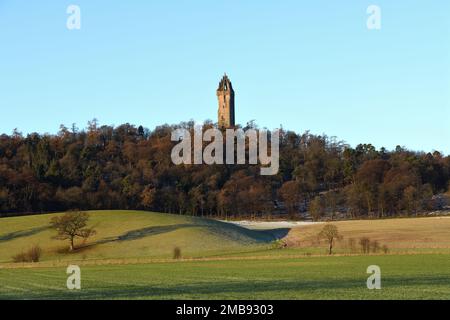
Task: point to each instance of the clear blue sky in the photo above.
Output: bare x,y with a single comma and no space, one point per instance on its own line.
303,64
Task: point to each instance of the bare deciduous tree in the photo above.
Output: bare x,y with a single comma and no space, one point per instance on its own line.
71,225
330,233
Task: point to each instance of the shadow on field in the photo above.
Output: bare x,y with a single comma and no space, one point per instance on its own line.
293,288
278,233
144,232
22,233
235,232
224,230
151,231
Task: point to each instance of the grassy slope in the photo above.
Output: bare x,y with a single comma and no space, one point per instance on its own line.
403,277
137,234
254,272
130,234
406,235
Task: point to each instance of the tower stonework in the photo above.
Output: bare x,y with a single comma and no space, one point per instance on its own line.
225,95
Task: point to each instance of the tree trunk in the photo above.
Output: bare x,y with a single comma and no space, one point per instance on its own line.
72,247
331,248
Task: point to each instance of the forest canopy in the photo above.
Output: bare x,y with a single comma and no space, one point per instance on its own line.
129,167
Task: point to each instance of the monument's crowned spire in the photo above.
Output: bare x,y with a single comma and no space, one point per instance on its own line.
225,84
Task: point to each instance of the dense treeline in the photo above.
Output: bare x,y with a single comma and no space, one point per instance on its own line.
126,167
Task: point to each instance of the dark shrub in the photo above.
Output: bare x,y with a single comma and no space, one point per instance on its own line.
375,246
20,257
177,253
352,245
32,255
365,245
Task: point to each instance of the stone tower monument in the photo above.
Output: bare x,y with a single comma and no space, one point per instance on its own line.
225,95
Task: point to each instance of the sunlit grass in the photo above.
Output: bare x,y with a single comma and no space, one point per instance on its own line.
403,277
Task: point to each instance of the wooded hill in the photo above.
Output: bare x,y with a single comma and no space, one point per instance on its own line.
128,167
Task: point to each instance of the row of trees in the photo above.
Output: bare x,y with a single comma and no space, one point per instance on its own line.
128,167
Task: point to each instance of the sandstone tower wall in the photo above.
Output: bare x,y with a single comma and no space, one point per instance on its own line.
225,96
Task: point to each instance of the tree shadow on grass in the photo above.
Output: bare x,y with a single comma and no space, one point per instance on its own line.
144,232
228,231
222,230
151,231
22,233
250,288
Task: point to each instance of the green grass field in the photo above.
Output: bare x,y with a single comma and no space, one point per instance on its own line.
131,258
132,234
403,277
